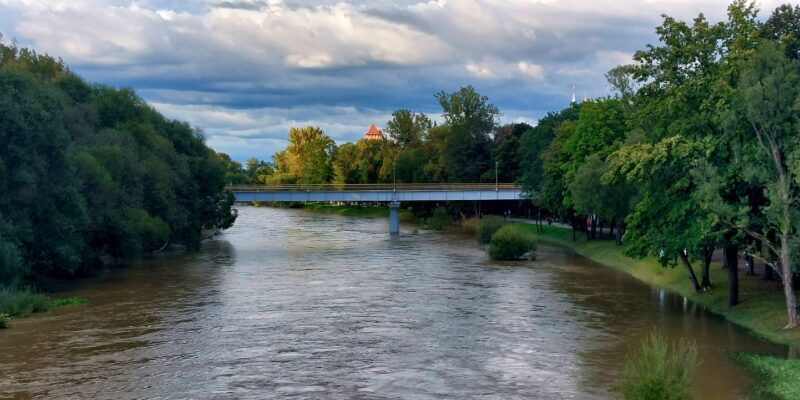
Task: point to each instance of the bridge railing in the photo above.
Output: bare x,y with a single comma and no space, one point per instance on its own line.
380,187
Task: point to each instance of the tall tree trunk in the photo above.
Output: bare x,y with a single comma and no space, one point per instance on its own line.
732,261
769,273
573,229
708,252
613,225
724,259
788,282
689,270
541,223
751,265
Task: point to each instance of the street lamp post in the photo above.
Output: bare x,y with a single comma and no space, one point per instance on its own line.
495,176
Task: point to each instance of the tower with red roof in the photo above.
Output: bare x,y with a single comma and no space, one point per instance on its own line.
373,133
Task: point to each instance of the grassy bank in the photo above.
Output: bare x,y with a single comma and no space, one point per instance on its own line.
21,303
762,309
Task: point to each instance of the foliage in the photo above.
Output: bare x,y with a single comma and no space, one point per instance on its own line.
88,171
510,243
68,301
782,376
308,156
4,321
440,219
784,26
408,128
22,302
658,370
487,227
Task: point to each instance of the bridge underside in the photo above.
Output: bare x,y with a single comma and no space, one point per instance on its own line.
384,196
376,193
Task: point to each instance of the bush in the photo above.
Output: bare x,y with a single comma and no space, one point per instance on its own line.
509,243
487,227
22,302
3,321
659,371
440,219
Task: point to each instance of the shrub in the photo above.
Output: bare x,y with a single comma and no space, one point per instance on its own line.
22,302
440,219
509,243
487,227
3,321
659,371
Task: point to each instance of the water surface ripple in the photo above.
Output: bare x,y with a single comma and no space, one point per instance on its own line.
290,304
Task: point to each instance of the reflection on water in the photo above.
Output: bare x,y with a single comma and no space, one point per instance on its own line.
298,305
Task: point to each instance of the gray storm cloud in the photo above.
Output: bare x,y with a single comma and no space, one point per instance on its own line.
247,70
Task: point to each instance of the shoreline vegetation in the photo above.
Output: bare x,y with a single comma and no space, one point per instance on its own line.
18,303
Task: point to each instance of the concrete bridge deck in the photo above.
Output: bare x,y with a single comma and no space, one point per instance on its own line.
377,192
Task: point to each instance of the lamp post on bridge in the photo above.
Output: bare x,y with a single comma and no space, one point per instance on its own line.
496,163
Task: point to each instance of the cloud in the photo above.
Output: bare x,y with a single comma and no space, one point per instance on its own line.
246,70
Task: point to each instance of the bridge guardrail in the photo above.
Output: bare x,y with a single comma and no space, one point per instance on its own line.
380,187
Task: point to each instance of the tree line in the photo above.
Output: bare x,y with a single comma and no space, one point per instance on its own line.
696,150
91,174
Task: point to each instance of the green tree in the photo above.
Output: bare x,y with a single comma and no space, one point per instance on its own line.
466,147
768,105
309,156
533,145
408,128
506,151
784,26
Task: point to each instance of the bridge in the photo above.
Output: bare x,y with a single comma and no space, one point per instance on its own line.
393,194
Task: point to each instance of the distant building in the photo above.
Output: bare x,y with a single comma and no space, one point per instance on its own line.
373,133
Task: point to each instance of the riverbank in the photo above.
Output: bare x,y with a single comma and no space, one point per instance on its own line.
762,310
356,211
22,303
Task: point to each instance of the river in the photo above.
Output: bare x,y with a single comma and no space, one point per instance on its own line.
292,304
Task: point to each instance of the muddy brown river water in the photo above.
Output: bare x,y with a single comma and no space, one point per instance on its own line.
291,304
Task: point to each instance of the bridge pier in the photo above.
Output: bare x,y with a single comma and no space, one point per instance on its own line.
394,218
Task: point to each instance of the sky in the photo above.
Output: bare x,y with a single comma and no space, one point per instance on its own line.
247,70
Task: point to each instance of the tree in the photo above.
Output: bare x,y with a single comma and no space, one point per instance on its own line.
768,95
667,220
309,156
506,151
784,26
408,128
466,147
533,145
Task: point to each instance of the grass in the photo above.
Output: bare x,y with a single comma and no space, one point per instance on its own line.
782,377
659,370
68,301
761,310
21,303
